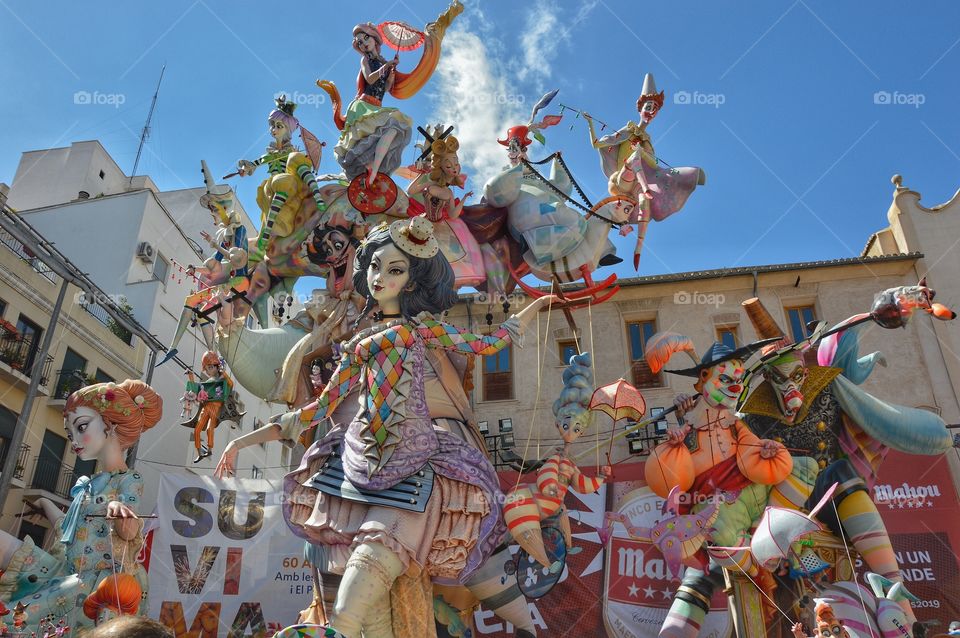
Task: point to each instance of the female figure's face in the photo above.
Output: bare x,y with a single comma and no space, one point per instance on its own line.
388,273
365,43
450,167
279,131
86,431
211,370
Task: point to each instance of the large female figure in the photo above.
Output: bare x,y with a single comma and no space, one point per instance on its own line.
401,486
100,536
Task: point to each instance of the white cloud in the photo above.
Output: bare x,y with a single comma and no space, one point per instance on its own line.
545,30
473,93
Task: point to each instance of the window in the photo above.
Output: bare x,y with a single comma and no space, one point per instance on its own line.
799,317
161,268
103,377
72,374
567,348
3,308
30,334
102,174
728,336
638,332
35,532
498,375
46,473
83,468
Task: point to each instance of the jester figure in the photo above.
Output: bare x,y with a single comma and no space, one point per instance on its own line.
837,430
628,160
290,190
526,507
713,452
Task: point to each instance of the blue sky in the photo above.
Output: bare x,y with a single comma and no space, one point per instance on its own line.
783,111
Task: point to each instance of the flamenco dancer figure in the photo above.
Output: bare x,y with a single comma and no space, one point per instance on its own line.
92,567
400,493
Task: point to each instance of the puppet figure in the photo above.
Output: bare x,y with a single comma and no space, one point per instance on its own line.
837,429
291,180
100,535
189,398
828,625
212,393
400,488
628,160
714,452
526,507
431,194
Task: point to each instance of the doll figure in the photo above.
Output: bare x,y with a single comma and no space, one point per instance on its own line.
100,535
400,485
526,507
291,180
212,392
431,194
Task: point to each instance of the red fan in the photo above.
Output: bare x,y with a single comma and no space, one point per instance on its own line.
400,35
372,199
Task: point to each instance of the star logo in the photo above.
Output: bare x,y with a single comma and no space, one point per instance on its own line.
649,592
667,593
633,589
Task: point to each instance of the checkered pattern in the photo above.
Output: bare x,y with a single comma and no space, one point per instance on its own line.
379,361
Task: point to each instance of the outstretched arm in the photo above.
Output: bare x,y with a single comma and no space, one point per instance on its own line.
228,462
443,335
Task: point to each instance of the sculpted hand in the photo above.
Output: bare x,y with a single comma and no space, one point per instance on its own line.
606,471
676,435
228,462
685,403
625,230
798,631
769,449
116,509
245,167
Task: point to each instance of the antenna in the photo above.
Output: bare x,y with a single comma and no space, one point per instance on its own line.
146,127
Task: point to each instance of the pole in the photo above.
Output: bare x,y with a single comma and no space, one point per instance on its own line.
146,127
132,454
20,431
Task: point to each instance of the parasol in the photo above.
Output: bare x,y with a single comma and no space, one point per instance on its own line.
400,35
619,400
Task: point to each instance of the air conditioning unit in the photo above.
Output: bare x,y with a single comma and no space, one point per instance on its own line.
145,252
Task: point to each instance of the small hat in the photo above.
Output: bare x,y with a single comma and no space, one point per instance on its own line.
718,353
370,29
415,236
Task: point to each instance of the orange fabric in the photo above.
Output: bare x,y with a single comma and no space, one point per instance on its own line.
756,468
208,419
669,465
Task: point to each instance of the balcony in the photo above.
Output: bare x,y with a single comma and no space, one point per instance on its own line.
20,469
68,381
17,356
51,478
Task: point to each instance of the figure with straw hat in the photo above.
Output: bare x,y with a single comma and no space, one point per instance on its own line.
713,453
837,430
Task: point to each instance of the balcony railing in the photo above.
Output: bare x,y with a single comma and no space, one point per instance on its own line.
52,475
24,253
20,353
21,466
104,317
68,381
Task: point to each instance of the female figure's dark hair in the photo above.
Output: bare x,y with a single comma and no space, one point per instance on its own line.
431,278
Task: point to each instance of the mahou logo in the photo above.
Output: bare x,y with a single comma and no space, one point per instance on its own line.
905,496
639,585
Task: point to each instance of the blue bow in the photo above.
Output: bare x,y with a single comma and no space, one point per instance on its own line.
84,486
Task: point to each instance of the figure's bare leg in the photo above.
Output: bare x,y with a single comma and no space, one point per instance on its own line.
383,145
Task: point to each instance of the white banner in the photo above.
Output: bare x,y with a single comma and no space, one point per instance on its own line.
223,563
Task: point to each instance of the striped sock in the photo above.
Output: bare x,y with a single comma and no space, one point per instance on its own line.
689,607
308,178
279,199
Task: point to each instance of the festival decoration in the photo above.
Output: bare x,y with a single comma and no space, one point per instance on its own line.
100,536
373,471
713,452
644,190
217,402
526,507
679,537
836,430
431,195
120,594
